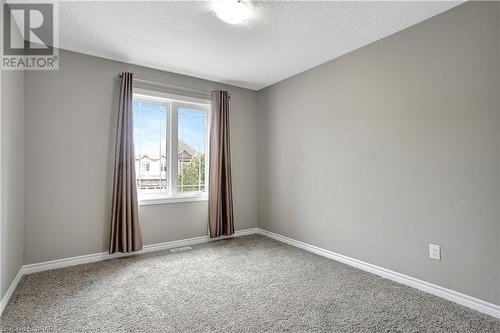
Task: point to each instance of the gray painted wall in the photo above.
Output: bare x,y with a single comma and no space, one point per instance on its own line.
498,99
12,211
12,175
70,128
380,152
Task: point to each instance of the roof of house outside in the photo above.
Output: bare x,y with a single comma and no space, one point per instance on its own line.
181,147
186,147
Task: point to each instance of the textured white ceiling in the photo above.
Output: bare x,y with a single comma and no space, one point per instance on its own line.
281,38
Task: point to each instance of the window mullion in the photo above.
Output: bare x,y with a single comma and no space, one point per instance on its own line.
173,148
208,119
168,149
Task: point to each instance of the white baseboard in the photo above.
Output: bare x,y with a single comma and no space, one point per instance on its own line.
451,295
85,259
10,291
89,258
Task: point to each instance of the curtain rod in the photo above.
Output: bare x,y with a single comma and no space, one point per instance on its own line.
171,86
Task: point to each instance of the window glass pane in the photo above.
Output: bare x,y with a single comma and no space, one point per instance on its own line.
191,149
150,144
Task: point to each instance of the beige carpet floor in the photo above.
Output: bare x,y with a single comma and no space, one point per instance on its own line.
246,284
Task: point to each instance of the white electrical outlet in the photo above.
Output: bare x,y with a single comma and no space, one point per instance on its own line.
435,251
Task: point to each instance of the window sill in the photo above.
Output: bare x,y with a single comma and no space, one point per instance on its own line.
159,200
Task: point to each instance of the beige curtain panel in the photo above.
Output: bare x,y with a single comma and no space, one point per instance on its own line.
125,231
220,197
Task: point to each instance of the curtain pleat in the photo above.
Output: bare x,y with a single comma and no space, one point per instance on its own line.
220,198
125,229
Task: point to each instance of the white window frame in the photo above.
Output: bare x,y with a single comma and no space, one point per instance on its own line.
174,102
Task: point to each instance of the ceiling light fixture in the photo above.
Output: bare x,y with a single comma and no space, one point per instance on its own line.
232,11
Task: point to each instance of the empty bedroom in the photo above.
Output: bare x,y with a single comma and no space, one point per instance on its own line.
249,166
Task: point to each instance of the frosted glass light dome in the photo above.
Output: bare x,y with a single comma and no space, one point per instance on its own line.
232,11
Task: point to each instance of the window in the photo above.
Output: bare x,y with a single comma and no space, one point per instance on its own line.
170,139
